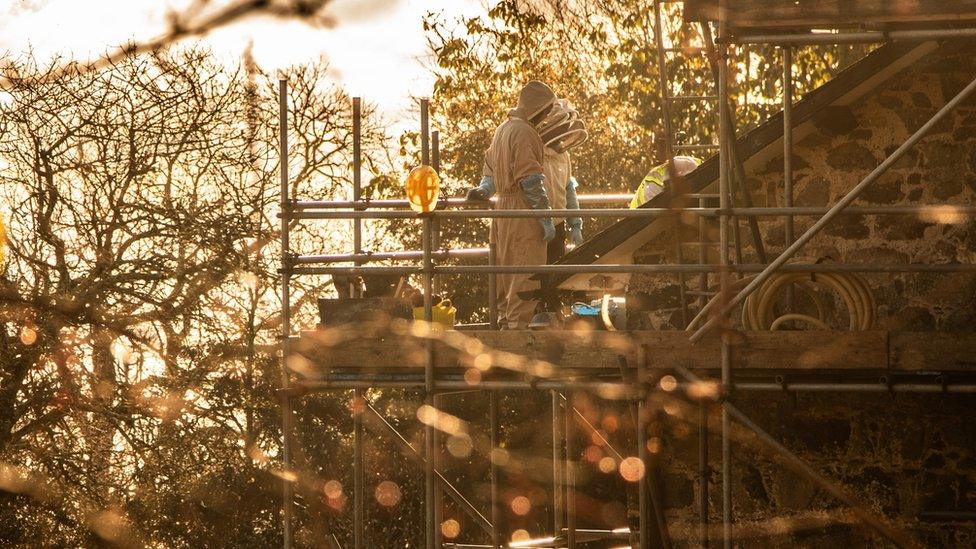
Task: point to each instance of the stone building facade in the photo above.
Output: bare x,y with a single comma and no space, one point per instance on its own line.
904,456
847,144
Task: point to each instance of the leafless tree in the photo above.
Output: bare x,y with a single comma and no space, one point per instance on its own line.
139,301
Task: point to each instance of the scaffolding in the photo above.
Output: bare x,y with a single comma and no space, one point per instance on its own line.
633,382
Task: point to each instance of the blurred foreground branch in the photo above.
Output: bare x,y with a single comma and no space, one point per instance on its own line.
197,20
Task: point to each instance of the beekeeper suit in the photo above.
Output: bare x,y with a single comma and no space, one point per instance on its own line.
653,183
562,130
513,170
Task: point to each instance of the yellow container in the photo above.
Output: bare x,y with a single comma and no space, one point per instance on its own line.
443,313
423,186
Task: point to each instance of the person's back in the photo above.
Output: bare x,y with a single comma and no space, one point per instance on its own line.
558,169
515,153
513,170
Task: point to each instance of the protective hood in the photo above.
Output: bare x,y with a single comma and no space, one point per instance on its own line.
562,127
534,98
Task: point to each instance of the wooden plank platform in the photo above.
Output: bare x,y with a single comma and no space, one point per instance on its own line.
316,353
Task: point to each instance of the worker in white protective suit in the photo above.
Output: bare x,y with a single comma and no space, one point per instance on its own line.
513,169
561,131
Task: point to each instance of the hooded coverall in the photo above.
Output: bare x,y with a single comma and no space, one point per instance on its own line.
557,168
516,153
513,170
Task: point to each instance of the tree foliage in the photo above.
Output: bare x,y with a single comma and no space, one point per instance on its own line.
140,303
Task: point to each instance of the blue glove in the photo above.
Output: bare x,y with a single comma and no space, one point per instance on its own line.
576,234
535,195
575,224
484,191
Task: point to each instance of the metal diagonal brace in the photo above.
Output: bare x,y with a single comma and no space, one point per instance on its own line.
834,211
453,492
798,464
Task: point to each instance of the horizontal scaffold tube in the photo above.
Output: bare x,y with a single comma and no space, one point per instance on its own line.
389,256
484,214
634,269
622,390
442,203
617,390
944,213
859,387
852,37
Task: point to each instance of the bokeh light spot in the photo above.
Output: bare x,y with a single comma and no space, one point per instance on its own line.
460,445
28,335
654,445
483,362
632,469
451,528
332,489
521,505
593,453
472,376
668,383
388,493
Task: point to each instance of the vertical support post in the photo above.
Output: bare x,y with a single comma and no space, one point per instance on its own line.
496,536
788,154
435,162
429,448
788,138
703,410
492,280
438,493
287,419
357,164
570,474
435,149
644,496
359,517
702,257
704,473
359,395
557,462
724,157
425,131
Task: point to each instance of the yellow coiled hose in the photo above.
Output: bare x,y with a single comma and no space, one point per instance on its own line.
757,311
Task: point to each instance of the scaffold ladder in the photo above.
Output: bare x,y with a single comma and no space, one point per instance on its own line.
672,146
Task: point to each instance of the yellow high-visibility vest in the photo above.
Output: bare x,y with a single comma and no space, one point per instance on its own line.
653,183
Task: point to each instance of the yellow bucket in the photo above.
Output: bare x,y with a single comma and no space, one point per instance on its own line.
443,313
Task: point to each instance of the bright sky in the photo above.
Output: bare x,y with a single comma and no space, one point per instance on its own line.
376,50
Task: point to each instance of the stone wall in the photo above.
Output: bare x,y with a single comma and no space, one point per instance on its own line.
900,455
846,146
